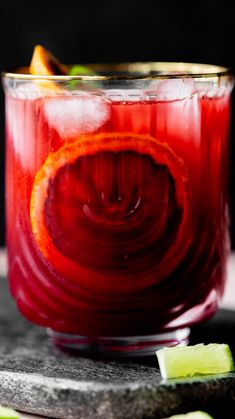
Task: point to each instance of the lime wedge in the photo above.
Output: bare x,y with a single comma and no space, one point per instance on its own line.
8,413
188,361
192,415
80,70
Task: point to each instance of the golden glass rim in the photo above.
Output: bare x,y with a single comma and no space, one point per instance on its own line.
163,70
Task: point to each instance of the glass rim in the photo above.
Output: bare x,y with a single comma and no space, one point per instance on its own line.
162,69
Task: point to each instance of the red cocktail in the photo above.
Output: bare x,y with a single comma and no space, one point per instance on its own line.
117,206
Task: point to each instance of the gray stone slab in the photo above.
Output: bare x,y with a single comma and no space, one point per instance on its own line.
37,378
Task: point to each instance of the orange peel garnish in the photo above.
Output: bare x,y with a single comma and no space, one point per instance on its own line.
45,64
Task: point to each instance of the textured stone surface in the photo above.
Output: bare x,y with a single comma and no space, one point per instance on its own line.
36,378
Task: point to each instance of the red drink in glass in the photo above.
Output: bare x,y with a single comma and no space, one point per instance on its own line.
117,206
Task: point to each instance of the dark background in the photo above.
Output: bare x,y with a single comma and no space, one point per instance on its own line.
112,30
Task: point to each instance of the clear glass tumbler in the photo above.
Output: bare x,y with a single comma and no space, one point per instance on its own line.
117,202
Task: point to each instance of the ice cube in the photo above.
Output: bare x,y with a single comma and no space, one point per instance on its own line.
24,130
173,89
178,115
27,90
71,116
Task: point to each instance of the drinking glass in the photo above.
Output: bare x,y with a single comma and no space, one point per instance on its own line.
117,202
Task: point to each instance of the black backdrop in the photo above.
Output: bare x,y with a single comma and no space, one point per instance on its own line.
112,30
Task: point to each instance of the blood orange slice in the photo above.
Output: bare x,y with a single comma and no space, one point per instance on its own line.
112,206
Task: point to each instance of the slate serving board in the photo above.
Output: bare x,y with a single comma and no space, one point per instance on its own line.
36,378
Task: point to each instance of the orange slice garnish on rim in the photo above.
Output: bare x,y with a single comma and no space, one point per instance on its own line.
112,206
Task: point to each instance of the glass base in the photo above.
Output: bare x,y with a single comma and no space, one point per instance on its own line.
119,346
